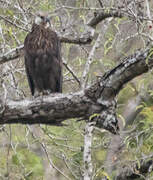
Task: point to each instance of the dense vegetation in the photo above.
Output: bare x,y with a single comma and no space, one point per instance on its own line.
36,152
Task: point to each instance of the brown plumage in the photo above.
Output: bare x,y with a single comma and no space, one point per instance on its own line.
43,61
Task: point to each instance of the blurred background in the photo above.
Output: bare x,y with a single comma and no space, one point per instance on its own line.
41,152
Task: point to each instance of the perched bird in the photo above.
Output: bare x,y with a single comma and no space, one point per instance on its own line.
43,62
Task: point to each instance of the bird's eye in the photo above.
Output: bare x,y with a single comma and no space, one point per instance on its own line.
41,17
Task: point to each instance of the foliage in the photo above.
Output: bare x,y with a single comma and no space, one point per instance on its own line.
29,152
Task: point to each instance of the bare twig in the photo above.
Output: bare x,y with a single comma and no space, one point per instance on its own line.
71,71
44,147
101,4
12,23
89,61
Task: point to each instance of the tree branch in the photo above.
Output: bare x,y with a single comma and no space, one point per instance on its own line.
12,54
98,17
88,166
99,98
135,171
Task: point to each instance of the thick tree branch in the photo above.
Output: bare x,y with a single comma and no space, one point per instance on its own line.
104,15
130,67
99,98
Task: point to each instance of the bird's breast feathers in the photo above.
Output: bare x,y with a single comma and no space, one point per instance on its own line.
41,41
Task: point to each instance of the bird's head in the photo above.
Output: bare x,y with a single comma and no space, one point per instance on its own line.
42,19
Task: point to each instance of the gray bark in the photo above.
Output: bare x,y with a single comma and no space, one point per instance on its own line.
98,98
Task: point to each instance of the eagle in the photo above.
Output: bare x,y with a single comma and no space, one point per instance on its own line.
42,54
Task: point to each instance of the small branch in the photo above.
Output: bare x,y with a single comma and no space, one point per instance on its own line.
101,4
91,54
52,165
82,40
89,61
148,9
149,23
12,54
71,71
88,168
14,24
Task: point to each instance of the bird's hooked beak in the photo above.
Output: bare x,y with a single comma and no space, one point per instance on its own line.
47,21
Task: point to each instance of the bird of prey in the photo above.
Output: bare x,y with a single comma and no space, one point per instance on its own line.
42,52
